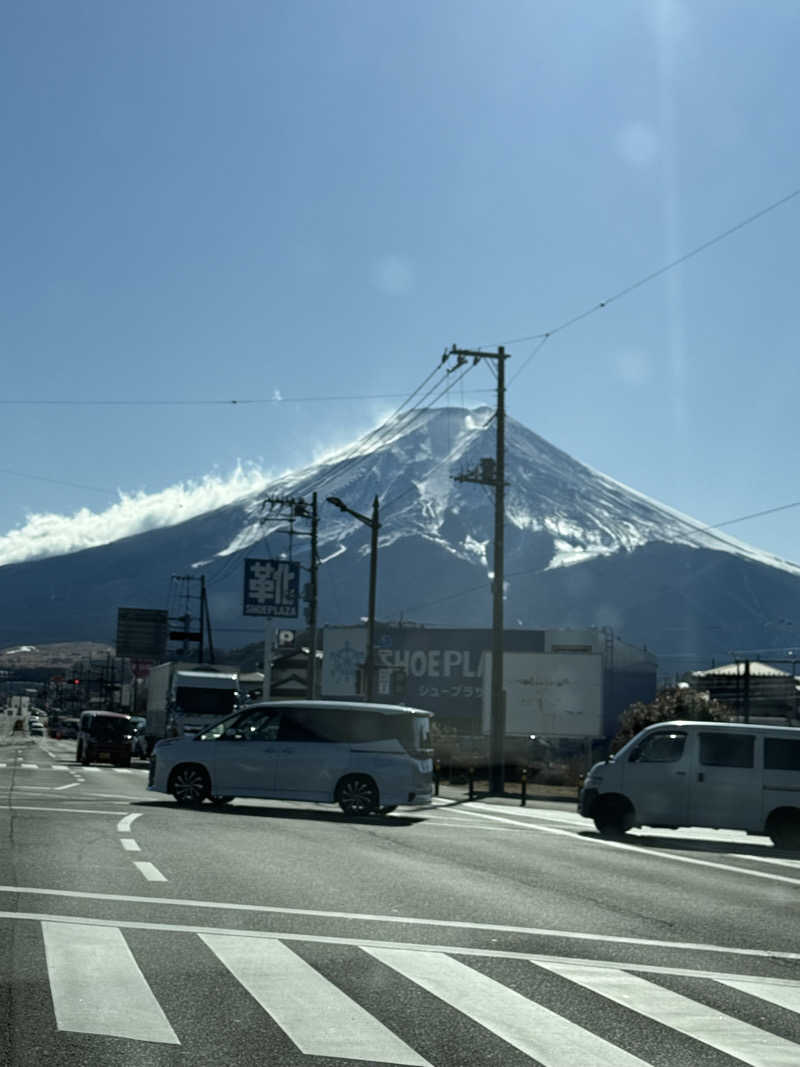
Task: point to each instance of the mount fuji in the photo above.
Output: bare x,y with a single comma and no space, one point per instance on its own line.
580,550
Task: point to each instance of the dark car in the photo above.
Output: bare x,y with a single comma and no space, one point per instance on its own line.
104,737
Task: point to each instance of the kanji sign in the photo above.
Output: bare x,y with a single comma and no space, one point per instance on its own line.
271,587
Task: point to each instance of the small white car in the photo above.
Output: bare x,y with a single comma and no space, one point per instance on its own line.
365,757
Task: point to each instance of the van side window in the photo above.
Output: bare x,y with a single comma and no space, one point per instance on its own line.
726,750
660,748
304,725
781,755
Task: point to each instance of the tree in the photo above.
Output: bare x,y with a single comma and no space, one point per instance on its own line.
671,703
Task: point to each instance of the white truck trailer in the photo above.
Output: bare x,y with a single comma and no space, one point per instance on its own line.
184,699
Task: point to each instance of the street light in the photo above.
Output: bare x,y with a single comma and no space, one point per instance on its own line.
374,526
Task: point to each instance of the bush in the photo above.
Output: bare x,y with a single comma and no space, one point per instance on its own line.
671,703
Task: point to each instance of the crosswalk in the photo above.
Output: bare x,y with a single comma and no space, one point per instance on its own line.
105,981
22,765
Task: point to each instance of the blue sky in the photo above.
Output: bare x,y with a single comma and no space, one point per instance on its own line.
205,200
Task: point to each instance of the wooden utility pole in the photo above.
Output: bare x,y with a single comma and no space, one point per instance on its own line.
493,474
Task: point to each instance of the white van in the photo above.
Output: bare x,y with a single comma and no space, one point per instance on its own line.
723,775
365,757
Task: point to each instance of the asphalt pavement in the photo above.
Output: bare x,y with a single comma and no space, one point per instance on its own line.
134,932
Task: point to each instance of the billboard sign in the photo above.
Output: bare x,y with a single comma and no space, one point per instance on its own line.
440,670
142,634
344,655
550,694
271,588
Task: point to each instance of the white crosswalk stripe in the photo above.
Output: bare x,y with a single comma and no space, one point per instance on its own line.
722,1032
319,1018
533,1029
98,988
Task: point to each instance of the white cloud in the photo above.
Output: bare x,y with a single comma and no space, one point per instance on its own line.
53,535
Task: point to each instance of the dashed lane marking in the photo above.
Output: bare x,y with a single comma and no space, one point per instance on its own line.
150,872
124,825
129,844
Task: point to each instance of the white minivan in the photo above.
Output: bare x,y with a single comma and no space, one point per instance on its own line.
723,775
365,757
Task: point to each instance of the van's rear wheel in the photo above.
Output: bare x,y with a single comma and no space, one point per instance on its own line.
189,784
784,829
613,816
357,795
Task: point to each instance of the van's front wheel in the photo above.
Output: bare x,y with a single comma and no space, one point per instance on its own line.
357,795
613,816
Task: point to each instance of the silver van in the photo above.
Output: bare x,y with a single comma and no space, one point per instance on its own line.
729,776
365,757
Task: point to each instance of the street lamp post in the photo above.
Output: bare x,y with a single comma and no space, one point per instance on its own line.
374,525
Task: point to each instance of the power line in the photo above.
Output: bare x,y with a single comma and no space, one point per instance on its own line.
545,334
206,403
754,515
56,481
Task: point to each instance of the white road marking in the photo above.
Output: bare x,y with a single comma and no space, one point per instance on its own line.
97,987
92,769
784,996
69,785
266,909
124,825
151,873
59,767
639,850
129,844
722,1032
29,766
411,946
318,1017
3,766
123,770
538,1032
766,859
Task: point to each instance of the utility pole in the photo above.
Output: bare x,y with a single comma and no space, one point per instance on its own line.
493,474
374,524
290,509
187,634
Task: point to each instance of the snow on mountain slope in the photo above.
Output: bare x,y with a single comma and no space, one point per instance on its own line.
410,463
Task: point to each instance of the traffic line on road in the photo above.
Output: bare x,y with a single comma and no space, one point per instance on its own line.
69,785
267,909
97,986
124,825
540,1033
637,849
129,844
151,872
315,1014
698,1021
29,766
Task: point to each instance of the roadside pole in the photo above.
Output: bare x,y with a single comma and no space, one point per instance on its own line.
269,639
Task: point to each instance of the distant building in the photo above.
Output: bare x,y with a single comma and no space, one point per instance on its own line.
754,691
442,669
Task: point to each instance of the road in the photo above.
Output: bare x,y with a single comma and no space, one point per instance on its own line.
134,932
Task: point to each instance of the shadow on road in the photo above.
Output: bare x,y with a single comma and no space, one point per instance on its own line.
243,810
705,845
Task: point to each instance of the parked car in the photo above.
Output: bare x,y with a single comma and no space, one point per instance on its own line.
35,728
